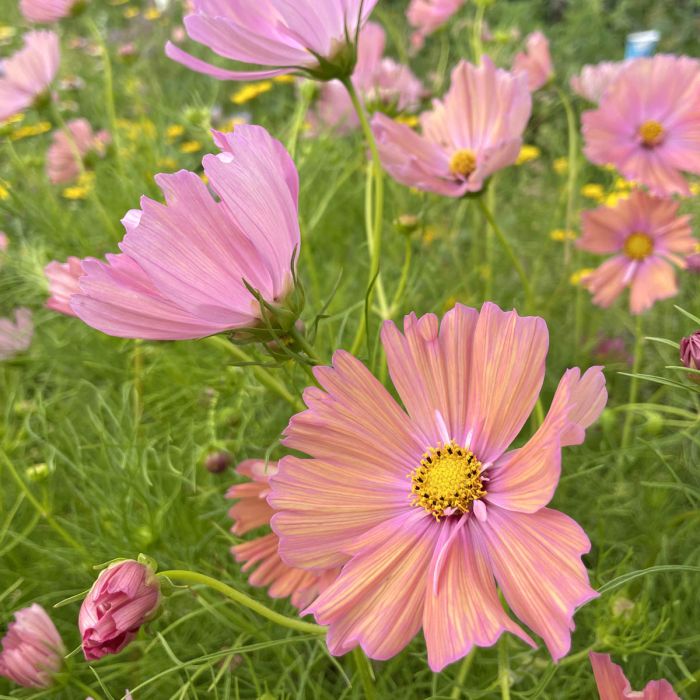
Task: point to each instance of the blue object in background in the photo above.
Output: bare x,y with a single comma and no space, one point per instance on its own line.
642,44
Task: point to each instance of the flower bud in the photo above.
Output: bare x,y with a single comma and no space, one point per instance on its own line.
693,263
690,351
125,596
32,650
217,462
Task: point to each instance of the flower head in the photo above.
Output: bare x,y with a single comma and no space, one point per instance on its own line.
423,507
535,62
305,36
613,685
32,650
473,132
648,123
63,283
592,82
16,337
62,164
125,596
185,264
427,16
690,351
48,10
646,237
26,75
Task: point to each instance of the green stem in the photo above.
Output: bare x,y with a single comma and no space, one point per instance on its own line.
572,171
305,345
527,287
194,578
478,28
364,670
86,689
403,280
298,121
634,385
462,675
504,668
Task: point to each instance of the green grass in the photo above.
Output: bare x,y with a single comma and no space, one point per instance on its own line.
123,427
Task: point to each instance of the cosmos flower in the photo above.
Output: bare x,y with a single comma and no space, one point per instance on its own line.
473,132
427,16
26,75
646,237
647,124
63,283
62,164
32,650
16,337
308,37
423,507
48,10
383,84
612,684
535,62
592,82
184,264
250,512
690,351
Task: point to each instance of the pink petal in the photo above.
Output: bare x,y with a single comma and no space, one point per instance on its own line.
654,280
608,281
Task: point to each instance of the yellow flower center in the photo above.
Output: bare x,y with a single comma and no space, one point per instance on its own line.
639,246
463,162
449,476
651,133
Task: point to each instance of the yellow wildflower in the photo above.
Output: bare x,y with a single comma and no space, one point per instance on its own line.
152,13
190,147
174,131
167,163
408,119
250,92
579,276
527,153
613,198
286,78
6,32
131,12
24,132
561,166
4,192
561,234
82,188
593,191
695,188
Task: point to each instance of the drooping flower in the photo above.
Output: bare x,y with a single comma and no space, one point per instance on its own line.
32,650
307,37
63,283
646,237
593,80
125,596
535,62
648,123
185,264
16,337
62,164
613,685
27,74
383,84
424,507
427,16
690,351
473,132
251,512
48,10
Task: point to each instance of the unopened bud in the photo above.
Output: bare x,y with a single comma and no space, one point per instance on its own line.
217,462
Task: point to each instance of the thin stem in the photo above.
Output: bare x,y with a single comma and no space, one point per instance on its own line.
403,280
86,689
364,670
464,668
527,287
194,578
504,668
571,186
634,385
478,28
298,121
305,345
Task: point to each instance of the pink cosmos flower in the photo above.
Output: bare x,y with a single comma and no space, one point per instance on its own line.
125,596
612,684
4,242
690,351
424,507
32,650
251,512
648,123
61,163
427,16
473,132
63,283
28,73
16,337
382,82
535,62
184,263
592,82
304,36
646,237
47,10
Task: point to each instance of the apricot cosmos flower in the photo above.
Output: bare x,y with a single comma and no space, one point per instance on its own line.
422,508
613,685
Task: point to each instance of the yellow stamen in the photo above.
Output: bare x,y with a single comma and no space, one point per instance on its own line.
449,476
651,133
463,162
639,246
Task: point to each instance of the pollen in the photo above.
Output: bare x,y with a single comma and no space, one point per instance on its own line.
639,246
651,133
448,480
463,163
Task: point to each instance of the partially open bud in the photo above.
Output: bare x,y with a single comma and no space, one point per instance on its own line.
125,596
32,650
690,352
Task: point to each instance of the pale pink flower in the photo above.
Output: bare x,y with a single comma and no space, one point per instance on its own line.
305,36
4,242
62,165
473,132
613,685
184,264
32,650
592,82
47,10
125,596
27,74
648,123
535,62
424,507
16,337
646,237
251,512
427,16
63,283
383,84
